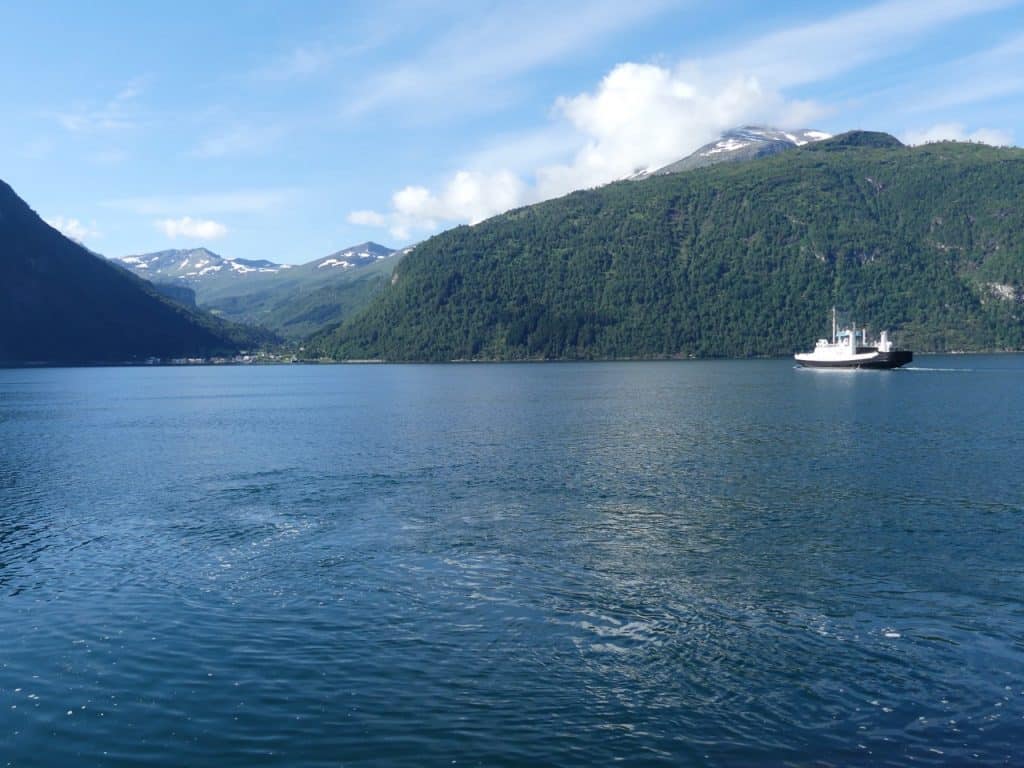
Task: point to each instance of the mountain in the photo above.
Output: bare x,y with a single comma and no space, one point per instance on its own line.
177,292
733,259
356,256
291,300
310,296
61,303
747,143
197,267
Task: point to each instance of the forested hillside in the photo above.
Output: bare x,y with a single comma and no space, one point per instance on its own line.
305,299
60,303
733,260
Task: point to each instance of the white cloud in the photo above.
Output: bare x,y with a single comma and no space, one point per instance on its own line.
117,114
360,33
639,116
531,149
957,132
982,76
467,66
467,196
187,227
85,120
822,49
74,229
644,115
367,218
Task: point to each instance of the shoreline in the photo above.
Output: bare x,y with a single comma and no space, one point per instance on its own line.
209,363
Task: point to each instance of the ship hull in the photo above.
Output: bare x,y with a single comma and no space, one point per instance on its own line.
881,361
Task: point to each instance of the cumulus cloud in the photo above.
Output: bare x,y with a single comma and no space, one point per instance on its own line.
74,229
646,115
187,227
466,197
958,132
639,116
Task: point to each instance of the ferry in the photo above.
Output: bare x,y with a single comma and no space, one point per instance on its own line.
850,348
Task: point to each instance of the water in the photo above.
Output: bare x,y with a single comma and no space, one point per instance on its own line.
676,563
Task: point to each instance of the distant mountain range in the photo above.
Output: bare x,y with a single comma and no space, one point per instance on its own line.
61,303
194,266
295,301
738,249
291,300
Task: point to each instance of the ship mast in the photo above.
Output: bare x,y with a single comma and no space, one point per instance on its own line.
833,325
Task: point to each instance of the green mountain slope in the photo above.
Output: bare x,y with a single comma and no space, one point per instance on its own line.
732,260
176,292
293,301
60,303
301,300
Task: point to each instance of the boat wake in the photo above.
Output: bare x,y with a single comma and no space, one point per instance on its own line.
943,370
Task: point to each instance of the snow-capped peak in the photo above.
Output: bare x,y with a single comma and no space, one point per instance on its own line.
745,143
192,264
356,256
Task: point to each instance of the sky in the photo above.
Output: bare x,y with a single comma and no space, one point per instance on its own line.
287,131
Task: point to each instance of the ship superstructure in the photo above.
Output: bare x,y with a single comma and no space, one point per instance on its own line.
851,348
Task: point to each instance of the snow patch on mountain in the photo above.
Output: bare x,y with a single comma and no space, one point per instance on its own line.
335,263
356,256
746,143
726,145
201,267
190,265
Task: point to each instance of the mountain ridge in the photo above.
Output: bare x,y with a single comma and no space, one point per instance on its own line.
747,142
192,265
732,259
292,300
62,303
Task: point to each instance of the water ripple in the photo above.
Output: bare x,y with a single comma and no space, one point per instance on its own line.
682,564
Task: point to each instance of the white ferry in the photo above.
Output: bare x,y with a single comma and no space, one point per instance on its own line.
850,348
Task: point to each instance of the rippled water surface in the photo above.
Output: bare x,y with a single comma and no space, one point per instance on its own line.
682,563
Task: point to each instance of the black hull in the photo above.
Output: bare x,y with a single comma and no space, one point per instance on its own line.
884,360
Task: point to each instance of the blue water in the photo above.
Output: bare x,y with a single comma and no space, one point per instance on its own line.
724,563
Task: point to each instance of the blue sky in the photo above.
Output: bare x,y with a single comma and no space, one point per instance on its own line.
287,131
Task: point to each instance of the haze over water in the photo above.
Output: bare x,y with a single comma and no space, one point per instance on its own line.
679,563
